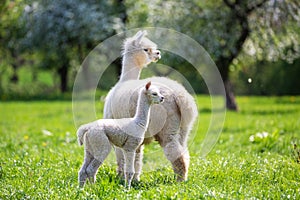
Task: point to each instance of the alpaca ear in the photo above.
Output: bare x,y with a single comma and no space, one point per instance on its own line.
145,33
138,36
148,85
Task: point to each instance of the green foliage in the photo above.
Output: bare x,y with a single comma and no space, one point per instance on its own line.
219,31
268,35
65,31
11,29
57,25
267,78
275,31
28,87
59,34
40,158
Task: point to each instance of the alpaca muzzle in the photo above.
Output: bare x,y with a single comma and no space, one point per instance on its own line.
156,55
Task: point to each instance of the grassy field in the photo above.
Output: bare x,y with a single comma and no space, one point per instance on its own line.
256,156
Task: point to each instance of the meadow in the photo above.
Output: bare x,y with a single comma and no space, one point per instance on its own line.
257,155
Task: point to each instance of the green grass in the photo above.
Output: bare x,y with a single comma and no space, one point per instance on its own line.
36,164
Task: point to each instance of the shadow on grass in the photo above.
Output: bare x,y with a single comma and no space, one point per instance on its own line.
149,183
269,112
288,100
154,182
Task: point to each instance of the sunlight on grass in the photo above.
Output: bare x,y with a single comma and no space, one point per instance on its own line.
256,156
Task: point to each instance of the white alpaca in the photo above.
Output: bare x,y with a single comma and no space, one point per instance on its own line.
126,134
170,122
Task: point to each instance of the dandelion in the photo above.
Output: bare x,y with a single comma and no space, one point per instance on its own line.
26,137
44,144
292,99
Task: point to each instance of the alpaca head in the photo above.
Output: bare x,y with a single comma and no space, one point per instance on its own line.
141,50
153,94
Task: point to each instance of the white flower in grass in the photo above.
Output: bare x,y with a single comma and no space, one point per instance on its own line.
46,132
265,134
258,136
251,138
262,135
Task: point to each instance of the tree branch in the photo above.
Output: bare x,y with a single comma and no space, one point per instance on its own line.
229,4
255,5
236,7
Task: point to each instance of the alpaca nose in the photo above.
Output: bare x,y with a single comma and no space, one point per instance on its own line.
162,99
158,56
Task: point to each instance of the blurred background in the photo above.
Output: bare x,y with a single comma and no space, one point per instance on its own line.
254,43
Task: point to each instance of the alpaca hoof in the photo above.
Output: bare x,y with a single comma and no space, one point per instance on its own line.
136,177
181,179
121,175
81,184
135,182
128,186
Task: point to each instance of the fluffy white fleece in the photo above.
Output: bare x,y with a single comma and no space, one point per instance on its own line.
126,134
170,122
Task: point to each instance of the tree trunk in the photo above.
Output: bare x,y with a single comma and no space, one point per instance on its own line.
14,78
230,98
63,74
34,71
122,10
223,65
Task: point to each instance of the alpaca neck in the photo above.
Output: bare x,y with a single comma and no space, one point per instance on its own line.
130,69
141,117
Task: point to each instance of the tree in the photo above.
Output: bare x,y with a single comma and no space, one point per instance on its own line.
223,27
238,20
249,17
11,32
64,30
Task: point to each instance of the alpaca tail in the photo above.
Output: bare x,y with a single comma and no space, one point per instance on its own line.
80,134
189,112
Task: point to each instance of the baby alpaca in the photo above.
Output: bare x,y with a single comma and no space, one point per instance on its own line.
127,134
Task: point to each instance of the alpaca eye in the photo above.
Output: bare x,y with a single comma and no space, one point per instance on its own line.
146,50
154,94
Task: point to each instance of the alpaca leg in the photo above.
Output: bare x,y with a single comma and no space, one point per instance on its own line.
175,148
138,163
185,157
120,162
181,166
179,157
92,169
129,166
101,147
97,162
82,175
